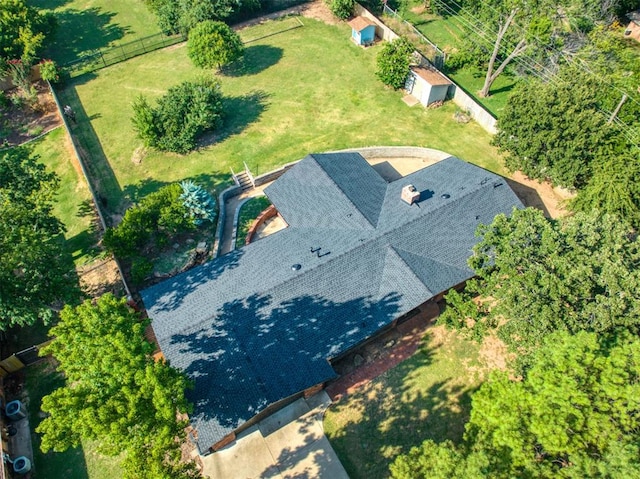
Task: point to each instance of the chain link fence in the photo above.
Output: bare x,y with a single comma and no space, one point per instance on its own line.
425,46
105,57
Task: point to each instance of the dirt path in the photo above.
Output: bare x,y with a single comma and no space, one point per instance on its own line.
317,10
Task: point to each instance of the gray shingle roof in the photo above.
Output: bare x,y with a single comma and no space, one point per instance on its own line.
250,330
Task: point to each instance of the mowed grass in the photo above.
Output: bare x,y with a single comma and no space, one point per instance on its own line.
86,25
249,211
307,89
82,462
425,397
73,203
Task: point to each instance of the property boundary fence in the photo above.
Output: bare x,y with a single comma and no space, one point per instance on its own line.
88,179
105,57
429,49
21,359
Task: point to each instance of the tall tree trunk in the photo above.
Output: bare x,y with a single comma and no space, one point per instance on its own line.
519,48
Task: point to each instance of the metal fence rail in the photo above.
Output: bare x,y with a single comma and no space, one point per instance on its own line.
105,57
429,49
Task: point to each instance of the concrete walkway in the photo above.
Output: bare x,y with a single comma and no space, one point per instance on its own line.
288,444
231,206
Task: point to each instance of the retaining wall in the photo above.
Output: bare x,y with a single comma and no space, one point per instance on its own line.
267,214
222,199
273,174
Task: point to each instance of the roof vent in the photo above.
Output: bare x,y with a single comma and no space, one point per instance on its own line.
445,196
296,267
409,194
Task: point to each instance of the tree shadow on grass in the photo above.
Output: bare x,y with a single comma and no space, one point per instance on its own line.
89,146
48,4
42,380
256,59
240,112
81,31
135,192
389,416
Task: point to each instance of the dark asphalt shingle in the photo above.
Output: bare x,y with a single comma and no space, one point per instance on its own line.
250,330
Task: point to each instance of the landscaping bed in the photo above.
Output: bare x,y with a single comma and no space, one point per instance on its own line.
249,211
20,122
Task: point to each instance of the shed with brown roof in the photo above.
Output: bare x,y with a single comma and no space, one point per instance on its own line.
427,84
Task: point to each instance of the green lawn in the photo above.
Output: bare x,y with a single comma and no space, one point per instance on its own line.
424,397
74,206
78,463
304,90
249,211
85,25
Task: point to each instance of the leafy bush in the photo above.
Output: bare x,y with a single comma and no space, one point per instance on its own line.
201,206
342,9
141,268
151,223
213,44
49,71
183,114
393,62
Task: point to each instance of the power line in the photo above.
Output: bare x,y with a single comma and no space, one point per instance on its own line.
487,35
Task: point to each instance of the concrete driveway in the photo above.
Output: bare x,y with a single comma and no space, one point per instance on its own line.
288,444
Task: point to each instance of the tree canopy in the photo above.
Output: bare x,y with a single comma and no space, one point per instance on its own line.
393,62
213,45
556,130
540,276
574,415
23,30
34,271
114,391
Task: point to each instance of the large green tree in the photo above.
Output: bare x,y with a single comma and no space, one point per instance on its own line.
34,273
614,186
575,414
23,30
115,392
578,273
556,130
213,45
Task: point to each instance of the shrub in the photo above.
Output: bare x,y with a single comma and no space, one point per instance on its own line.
141,268
393,62
181,116
201,206
152,222
213,44
49,71
342,9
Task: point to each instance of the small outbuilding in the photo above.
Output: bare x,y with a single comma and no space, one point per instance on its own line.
633,29
363,31
427,84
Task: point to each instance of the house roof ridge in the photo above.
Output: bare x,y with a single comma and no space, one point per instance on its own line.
342,191
391,250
